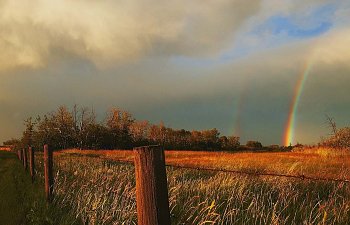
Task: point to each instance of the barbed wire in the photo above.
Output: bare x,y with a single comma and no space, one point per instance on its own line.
256,173
126,161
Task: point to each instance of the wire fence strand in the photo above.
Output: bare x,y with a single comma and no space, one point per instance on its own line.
255,173
302,177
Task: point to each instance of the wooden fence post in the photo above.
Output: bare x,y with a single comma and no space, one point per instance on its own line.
151,186
19,155
48,163
31,162
24,159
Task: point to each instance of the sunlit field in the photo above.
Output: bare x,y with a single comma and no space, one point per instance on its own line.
100,190
321,162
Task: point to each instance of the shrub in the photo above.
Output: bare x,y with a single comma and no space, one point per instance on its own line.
340,139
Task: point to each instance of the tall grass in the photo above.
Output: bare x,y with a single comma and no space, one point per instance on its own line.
23,202
99,191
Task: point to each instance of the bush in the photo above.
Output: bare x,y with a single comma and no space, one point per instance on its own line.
340,139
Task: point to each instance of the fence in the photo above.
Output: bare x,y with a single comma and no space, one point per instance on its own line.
151,180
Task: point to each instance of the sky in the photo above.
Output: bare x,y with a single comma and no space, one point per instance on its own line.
266,70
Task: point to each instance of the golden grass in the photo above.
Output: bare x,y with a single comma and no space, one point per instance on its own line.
100,191
319,162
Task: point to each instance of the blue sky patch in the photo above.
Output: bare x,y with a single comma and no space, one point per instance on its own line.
311,24
284,25
282,29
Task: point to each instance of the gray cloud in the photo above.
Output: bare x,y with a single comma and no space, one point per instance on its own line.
108,32
67,42
252,94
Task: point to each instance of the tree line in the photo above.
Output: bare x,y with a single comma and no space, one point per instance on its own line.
79,128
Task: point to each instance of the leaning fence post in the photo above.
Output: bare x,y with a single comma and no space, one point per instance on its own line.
48,163
24,159
31,162
151,186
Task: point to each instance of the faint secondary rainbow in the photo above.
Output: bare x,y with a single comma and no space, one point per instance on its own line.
239,107
290,127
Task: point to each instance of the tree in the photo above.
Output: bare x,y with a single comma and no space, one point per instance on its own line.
211,139
331,124
339,138
178,139
343,137
57,129
183,139
64,123
27,137
84,123
139,132
157,134
118,122
98,137
229,143
254,144
197,140
233,142
78,128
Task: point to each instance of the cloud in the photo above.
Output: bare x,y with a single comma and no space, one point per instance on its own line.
107,32
155,91
64,40
333,48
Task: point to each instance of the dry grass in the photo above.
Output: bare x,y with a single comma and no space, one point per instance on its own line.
316,162
101,191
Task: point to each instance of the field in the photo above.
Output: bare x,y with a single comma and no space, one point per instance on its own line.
98,189
313,162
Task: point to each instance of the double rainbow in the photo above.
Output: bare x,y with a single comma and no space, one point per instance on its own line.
288,138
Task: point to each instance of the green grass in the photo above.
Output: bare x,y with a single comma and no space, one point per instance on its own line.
22,202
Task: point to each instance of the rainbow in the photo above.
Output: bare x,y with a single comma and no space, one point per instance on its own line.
288,137
239,107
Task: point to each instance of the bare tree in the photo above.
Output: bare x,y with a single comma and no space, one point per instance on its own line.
331,124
